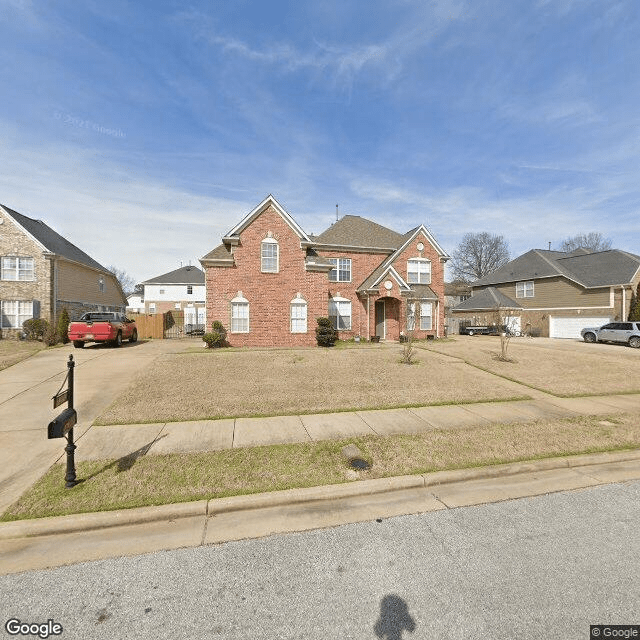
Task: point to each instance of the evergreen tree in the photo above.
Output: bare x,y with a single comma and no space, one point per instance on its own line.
634,308
63,326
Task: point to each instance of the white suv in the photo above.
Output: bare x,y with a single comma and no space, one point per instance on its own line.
626,332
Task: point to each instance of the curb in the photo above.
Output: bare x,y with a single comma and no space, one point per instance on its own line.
206,508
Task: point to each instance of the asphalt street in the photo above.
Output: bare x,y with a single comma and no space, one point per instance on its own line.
542,567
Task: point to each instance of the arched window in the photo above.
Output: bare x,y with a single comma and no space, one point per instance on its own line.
269,252
239,314
298,315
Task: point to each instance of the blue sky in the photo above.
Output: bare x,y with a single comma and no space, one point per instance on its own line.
143,131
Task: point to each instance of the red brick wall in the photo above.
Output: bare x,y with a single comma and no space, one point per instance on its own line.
437,281
269,294
362,264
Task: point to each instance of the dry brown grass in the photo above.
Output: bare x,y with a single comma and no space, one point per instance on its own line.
149,480
225,383
13,351
559,367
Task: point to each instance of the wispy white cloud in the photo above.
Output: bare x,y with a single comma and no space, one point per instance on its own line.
339,60
527,221
116,216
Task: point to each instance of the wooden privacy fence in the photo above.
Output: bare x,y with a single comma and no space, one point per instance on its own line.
160,325
149,326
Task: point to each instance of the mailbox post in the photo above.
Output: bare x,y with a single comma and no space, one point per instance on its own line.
62,426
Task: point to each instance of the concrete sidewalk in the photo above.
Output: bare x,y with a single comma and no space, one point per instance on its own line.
118,441
49,542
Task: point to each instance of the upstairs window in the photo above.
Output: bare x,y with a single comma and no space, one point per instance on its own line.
269,251
189,289
418,271
524,289
341,271
17,269
101,285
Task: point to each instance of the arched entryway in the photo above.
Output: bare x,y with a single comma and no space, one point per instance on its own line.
387,318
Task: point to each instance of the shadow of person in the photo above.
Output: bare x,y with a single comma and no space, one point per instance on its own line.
394,618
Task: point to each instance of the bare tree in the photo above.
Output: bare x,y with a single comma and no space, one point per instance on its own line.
413,318
501,319
126,281
479,254
593,241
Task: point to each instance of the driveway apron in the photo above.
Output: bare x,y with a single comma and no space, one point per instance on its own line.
26,408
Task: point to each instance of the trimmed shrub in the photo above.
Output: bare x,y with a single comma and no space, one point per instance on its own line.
35,328
326,335
218,336
50,336
63,326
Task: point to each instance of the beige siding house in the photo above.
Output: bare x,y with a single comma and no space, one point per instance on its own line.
41,273
555,294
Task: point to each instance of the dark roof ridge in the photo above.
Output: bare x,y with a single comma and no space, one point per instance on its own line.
54,242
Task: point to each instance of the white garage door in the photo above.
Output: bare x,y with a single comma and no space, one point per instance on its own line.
570,327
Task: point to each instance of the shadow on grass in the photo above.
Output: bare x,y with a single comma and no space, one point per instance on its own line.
125,463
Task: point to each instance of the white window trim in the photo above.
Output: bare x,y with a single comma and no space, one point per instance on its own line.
30,270
334,305
419,272
423,316
15,323
524,291
270,241
235,303
336,262
298,303
424,306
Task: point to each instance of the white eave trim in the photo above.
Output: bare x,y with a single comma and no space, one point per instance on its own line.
45,250
393,273
254,213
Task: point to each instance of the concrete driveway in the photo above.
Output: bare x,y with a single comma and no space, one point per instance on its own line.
26,389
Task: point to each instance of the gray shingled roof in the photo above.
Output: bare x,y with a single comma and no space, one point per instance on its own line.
53,241
183,275
422,291
601,269
487,299
221,252
354,231
597,269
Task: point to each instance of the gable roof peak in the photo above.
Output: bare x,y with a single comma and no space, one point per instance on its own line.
51,241
257,211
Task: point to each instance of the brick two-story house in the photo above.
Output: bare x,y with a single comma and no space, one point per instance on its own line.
41,273
269,281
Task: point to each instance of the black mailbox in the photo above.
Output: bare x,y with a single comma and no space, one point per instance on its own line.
59,427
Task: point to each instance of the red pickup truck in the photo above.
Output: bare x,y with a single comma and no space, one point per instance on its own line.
102,327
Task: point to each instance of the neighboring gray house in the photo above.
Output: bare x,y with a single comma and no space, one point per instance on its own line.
41,273
454,293
555,294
